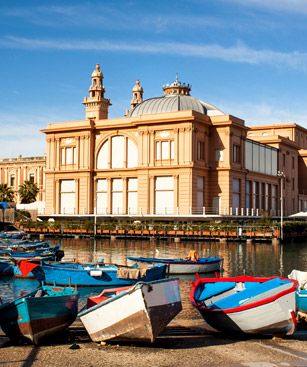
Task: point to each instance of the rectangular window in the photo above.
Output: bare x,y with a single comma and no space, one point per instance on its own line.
68,155
236,193
200,151
248,192
158,150
31,177
117,196
118,151
12,180
200,194
165,149
68,197
164,195
132,196
293,162
102,196
172,149
262,195
219,155
236,153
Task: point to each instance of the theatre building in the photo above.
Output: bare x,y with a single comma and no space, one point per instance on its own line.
170,155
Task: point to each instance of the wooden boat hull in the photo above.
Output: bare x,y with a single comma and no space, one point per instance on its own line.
139,314
271,312
106,276
181,266
35,318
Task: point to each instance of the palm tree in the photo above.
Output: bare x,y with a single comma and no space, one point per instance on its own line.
6,193
28,192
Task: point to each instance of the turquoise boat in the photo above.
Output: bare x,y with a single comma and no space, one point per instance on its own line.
41,313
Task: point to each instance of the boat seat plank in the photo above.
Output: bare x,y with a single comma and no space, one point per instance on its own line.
212,289
245,295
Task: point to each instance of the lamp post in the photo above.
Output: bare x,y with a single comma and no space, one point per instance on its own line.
282,176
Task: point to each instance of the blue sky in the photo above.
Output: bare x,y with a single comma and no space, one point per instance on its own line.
247,57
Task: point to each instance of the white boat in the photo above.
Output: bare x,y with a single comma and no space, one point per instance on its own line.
181,266
301,292
246,304
139,313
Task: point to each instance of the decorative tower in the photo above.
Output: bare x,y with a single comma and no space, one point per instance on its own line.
96,106
137,95
177,88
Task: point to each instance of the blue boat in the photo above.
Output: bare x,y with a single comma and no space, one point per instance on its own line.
301,292
43,312
6,268
92,274
53,253
24,245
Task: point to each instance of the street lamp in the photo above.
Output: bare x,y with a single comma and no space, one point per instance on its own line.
282,176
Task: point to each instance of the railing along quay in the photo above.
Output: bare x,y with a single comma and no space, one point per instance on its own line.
241,233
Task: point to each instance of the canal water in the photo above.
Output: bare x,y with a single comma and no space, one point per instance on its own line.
261,259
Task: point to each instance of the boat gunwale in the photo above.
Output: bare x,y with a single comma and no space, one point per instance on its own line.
132,289
176,261
30,295
243,279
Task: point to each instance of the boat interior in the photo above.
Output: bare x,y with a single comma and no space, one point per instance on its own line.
225,295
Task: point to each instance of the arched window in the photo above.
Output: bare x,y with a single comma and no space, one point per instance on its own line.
117,152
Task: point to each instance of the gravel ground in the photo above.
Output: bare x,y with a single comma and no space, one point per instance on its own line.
182,344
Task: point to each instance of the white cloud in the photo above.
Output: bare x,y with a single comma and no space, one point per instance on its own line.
106,16
240,53
263,113
292,6
20,135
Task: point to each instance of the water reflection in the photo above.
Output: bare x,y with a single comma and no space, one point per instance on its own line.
262,259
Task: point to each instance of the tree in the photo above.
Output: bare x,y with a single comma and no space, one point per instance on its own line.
28,192
6,193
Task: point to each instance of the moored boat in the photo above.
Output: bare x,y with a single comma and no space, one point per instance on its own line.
95,274
6,267
301,292
139,313
181,266
245,304
38,314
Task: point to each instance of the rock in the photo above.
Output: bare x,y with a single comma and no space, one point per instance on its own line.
74,346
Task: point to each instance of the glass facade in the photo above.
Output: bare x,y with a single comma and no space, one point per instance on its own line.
260,158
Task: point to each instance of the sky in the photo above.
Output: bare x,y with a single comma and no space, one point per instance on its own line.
247,57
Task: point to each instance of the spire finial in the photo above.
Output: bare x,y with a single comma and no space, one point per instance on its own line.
137,94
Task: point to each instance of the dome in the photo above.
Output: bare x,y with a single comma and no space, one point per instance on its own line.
97,72
137,87
174,103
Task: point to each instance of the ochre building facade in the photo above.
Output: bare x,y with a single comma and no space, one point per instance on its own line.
15,171
171,155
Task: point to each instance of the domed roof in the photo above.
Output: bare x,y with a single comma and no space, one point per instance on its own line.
97,72
174,103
